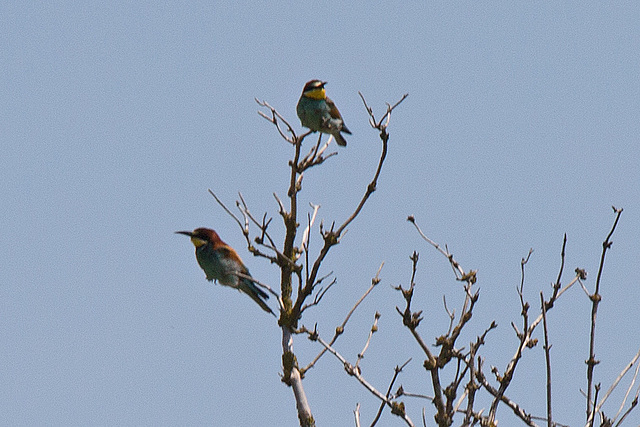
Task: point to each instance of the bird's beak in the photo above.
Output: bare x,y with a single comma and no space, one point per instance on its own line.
324,83
186,233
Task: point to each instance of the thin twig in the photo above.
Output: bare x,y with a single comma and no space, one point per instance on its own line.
525,341
521,413
396,408
245,230
387,115
459,272
549,305
384,136
373,330
451,314
282,211
340,329
634,402
396,372
315,155
227,210
310,221
626,369
244,208
595,301
472,386
401,392
275,116
411,320
320,294
547,357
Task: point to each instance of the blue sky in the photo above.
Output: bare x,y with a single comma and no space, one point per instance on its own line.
521,124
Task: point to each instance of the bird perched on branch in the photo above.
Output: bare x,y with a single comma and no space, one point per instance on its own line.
318,113
221,263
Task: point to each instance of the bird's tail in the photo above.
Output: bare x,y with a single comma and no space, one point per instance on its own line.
340,139
256,294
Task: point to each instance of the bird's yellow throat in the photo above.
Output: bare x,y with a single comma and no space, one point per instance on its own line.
316,93
198,242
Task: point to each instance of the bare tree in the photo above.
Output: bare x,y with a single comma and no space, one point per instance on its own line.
453,396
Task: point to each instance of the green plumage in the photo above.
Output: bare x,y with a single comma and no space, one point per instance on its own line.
221,263
318,112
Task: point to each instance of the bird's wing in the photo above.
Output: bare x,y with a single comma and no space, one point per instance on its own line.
228,254
335,114
333,110
233,262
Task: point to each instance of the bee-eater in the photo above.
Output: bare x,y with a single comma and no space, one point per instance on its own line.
221,263
318,113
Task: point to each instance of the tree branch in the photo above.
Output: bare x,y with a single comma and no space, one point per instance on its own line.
397,408
340,329
332,237
595,301
547,356
396,372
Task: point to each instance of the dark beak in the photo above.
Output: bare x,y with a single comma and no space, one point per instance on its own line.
186,233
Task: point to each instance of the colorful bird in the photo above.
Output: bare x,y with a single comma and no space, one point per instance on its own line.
318,113
221,263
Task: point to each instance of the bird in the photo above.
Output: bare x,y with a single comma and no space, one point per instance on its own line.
222,263
318,113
